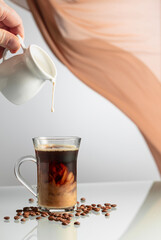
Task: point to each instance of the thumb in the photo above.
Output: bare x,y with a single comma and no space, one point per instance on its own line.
9,40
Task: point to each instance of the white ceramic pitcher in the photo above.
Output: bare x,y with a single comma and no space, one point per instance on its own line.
22,76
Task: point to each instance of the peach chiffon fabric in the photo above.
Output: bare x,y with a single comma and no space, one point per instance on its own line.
114,47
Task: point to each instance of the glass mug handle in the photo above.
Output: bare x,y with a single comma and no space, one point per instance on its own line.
18,174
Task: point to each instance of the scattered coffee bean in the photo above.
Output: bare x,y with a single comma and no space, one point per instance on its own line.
83,199
43,215
107,204
52,214
83,214
86,211
19,214
64,218
93,205
88,206
77,223
31,200
77,214
23,220
104,210
78,211
107,214
70,215
113,205
26,209
51,218
96,209
56,219
19,210
99,205
65,223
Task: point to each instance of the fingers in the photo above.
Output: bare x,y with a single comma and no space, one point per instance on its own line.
9,41
11,19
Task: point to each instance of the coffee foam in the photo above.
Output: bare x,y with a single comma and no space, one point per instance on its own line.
55,148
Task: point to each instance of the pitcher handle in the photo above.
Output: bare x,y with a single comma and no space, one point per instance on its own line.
18,174
22,46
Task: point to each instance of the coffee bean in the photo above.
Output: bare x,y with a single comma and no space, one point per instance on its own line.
93,205
77,214
82,206
23,220
19,210
16,217
104,210
31,200
56,219
77,223
38,218
99,205
78,211
83,214
65,223
70,215
37,213
26,209
25,215
96,209
19,214
6,218
65,215
107,214
86,211
83,199
113,205
107,204
43,215
51,218
33,214
109,207
62,220
52,214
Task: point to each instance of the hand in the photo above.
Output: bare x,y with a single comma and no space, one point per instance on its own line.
10,25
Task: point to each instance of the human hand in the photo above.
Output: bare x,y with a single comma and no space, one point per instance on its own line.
10,26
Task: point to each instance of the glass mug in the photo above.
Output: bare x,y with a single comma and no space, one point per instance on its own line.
56,159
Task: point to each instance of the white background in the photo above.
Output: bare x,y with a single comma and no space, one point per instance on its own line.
112,148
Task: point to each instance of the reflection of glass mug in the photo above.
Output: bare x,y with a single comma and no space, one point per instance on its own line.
52,230
56,159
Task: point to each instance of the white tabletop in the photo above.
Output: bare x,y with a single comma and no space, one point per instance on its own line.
137,215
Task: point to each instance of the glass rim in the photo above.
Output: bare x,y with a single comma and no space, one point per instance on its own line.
57,138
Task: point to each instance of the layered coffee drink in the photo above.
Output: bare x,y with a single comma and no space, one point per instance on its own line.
57,175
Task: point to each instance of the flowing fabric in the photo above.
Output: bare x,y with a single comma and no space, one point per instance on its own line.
113,46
